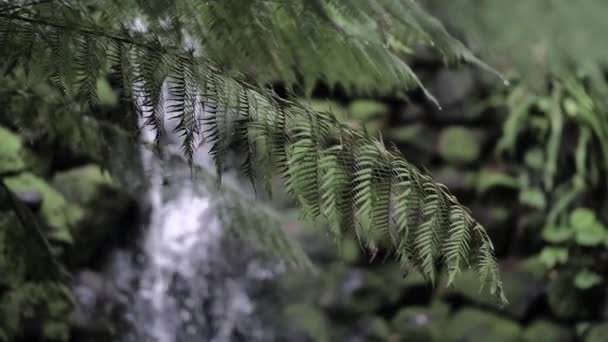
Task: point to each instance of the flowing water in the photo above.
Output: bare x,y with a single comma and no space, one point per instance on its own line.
186,279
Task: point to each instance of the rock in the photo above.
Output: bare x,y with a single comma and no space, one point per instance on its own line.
416,140
460,145
80,184
59,215
523,284
567,302
452,86
411,113
310,321
597,333
11,152
457,181
472,325
376,329
32,199
367,110
422,324
547,332
106,207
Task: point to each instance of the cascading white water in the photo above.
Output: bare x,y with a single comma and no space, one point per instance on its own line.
192,286
187,279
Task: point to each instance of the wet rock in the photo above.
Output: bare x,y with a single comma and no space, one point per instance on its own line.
411,112
11,152
472,325
423,324
546,331
90,319
452,86
32,199
597,333
460,145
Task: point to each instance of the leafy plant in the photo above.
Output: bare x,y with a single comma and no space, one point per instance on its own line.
571,241
345,177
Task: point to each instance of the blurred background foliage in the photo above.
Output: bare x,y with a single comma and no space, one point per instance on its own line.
530,160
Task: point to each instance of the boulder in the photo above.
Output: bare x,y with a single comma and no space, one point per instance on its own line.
422,324
460,145
568,302
310,322
523,284
452,86
547,332
354,291
368,110
472,325
597,333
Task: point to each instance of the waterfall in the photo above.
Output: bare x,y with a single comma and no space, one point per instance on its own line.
186,279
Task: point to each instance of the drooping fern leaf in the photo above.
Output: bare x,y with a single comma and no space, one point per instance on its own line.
336,173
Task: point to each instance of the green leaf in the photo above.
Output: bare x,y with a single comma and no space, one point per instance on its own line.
591,235
488,179
582,218
535,159
553,256
534,198
586,279
557,234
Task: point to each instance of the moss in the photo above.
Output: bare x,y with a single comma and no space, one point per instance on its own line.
471,325
81,184
407,133
459,145
366,110
11,152
546,331
421,323
58,214
597,333
311,321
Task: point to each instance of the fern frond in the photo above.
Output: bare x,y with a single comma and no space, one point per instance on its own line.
332,170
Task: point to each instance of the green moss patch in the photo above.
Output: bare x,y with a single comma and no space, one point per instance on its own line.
59,215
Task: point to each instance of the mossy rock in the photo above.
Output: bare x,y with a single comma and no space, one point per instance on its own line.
366,110
472,325
419,140
569,303
460,145
311,321
523,284
597,333
11,152
81,184
422,324
59,215
547,332
107,209
357,291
